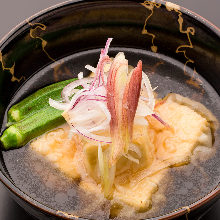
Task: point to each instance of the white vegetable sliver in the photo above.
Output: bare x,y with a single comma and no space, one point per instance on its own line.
154,88
92,136
80,75
135,148
90,68
106,122
112,171
58,105
101,90
101,161
87,119
75,97
92,115
129,157
143,109
146,82
68,90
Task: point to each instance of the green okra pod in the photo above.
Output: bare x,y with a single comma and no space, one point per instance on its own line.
36,101
22,132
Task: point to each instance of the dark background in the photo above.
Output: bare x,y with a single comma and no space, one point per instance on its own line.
12,12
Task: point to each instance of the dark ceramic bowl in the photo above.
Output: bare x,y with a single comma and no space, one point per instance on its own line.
180,51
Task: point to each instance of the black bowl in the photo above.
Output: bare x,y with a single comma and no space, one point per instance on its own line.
180,51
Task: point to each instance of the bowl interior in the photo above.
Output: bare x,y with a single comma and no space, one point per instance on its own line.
179,53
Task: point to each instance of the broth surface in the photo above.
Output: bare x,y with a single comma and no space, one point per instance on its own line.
182,186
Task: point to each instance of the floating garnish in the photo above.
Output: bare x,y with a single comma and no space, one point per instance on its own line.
113,100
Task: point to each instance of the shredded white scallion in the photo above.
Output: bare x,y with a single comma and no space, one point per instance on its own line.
80,75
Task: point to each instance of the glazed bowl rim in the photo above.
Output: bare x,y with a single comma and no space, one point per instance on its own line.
43,208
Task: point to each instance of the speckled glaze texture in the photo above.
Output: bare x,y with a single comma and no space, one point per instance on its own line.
48,47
